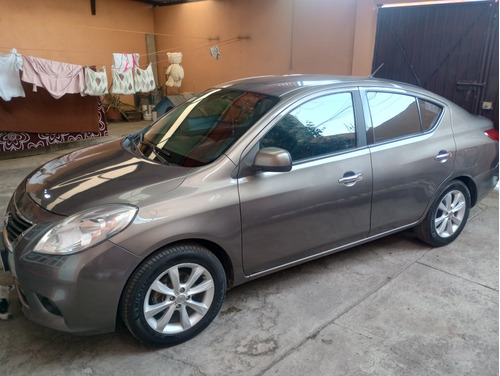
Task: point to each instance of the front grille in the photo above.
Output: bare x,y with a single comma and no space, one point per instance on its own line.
15,226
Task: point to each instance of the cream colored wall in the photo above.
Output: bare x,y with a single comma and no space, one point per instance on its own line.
277,37
364,37
66,31
255,37
323,36
285,37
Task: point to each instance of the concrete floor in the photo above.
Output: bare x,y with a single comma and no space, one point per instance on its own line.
392,307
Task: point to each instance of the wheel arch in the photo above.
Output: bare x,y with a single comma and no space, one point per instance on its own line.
469,183
218,252
206,251
471,186
212,247
452,219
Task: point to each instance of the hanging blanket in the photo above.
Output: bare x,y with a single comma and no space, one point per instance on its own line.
57,78
40,113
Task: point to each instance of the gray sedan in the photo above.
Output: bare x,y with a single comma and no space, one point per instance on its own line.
242,180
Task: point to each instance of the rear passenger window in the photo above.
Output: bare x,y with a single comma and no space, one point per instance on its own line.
429,113
393,115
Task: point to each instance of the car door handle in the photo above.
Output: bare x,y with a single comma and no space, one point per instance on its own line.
443,156
351,179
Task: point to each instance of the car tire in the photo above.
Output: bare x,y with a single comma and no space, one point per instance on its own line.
173,295
447,215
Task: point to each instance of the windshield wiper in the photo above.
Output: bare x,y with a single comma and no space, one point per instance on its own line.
134,139
159,152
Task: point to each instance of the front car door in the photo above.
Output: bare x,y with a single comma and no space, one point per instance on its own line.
324,201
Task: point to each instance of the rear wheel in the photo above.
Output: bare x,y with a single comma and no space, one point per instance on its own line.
447,216
174,295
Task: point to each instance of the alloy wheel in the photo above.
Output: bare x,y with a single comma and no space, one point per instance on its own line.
178,298
450,213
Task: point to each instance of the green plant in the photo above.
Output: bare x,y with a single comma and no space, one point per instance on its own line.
111,100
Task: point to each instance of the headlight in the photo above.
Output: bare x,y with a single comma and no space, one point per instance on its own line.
85,229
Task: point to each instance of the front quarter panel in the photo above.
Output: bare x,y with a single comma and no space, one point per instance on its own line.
204,207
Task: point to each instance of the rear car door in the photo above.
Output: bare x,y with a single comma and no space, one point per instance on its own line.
412,149
324,201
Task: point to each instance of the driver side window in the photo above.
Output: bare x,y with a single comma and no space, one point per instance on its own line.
321,126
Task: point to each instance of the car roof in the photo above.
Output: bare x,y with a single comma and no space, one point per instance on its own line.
281,86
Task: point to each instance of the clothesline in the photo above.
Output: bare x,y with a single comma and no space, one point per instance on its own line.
141,32
159,52
63,78
60,78
4,50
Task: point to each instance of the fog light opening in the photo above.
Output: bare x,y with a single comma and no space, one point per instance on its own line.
49,305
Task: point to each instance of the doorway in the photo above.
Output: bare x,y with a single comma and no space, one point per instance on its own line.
449,49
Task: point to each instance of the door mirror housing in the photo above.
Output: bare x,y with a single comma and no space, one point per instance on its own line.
273,160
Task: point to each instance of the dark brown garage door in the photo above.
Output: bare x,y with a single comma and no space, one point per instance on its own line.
450,49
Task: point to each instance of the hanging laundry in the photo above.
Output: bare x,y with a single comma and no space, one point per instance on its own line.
10,79
57,78
214,51
122,68
144,79
124,62
123,82
96,83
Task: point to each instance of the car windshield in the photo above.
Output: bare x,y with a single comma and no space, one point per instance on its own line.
201,129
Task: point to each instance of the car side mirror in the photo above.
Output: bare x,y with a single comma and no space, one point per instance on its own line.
273,160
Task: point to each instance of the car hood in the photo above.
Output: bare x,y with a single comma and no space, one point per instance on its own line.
99,175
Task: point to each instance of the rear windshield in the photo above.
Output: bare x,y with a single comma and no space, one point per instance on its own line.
203,128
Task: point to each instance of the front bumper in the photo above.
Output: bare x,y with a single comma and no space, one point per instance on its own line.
77,293
4,254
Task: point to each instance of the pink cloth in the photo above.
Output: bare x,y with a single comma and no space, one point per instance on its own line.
123,62
57,78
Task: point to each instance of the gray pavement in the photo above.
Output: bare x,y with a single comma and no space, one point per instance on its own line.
391,307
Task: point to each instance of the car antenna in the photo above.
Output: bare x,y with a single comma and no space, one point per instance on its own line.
376,70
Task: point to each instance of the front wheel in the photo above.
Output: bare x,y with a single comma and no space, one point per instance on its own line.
447,216
173,295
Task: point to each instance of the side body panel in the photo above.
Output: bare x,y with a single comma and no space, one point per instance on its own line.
292,215
406,174
287,217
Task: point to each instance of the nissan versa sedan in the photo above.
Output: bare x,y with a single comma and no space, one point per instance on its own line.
242,180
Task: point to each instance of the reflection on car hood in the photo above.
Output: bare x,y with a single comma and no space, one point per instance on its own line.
99,175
